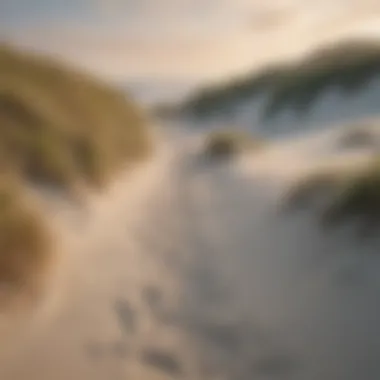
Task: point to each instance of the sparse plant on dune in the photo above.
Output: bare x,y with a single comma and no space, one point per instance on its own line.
349,196
223,144
361,135
308,188
358,199
26,244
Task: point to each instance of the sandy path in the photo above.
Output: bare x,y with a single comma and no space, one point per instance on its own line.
125,247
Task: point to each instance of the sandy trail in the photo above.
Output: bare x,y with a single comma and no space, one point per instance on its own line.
186,269
115,256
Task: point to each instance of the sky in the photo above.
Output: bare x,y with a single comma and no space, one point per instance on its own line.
179,40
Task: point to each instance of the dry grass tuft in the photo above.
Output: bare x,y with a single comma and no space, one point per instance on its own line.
26,245
227,143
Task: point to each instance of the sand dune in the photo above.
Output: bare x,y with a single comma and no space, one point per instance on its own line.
187,269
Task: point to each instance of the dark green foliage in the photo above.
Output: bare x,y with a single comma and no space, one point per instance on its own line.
348,66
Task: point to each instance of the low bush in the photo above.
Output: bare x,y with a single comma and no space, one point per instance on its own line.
226,143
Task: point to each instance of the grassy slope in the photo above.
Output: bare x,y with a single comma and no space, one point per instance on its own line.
61,128
58,126
348,65
351,195
215,99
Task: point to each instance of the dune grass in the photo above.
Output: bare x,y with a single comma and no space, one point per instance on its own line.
59,126
25,241
308,188
349,195
348,66
229,142
358,198
214,100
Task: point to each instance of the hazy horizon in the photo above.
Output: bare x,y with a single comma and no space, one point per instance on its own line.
180,40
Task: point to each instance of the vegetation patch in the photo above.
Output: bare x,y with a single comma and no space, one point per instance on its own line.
215,100
227,143
25,242
60,127
362,135
307,189
359,199
350,196
347,66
